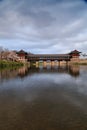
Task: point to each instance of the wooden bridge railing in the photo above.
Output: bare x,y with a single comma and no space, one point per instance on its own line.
60,58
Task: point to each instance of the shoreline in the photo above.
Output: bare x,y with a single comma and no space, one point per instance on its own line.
10,64
15,64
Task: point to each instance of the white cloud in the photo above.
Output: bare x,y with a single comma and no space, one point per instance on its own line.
49,26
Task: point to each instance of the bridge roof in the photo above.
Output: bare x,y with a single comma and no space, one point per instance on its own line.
75,52
22,52
43,55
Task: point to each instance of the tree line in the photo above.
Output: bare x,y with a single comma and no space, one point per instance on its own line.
6,54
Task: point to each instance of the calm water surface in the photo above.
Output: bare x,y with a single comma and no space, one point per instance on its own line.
44,98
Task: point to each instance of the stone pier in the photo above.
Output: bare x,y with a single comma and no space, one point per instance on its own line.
37,64
58,63
44,64
52,63
67,63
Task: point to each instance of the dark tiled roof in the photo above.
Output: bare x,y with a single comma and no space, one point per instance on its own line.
75,51
22,51
49,55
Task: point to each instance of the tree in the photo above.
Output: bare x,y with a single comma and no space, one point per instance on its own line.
1,50
84,55
3,53
12,56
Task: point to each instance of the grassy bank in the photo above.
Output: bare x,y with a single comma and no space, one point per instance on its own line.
10,64
78,63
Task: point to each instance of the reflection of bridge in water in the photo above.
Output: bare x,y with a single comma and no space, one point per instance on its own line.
72,70
25,71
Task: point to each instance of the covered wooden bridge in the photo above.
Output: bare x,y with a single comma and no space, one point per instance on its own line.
24,56
51,57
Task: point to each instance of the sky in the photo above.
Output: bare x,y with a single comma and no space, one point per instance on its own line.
44,26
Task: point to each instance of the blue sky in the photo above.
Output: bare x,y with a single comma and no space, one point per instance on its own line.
43,26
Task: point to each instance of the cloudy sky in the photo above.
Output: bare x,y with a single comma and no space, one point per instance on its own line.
43,26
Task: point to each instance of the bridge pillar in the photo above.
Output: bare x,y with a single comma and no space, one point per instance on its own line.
58,63
44,64
67,62
37,64
52,63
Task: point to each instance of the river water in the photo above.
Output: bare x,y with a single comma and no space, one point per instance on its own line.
44,98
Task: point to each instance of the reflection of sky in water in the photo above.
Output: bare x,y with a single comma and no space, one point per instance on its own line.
37,80
31,87
58,95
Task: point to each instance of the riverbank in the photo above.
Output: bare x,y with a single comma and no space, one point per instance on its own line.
10,64
79,62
